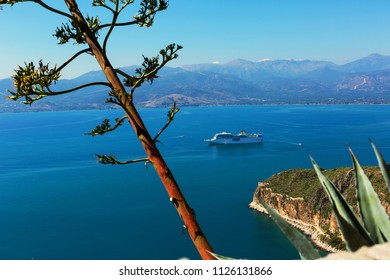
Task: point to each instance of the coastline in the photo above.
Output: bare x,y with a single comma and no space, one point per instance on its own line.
39,109
313,233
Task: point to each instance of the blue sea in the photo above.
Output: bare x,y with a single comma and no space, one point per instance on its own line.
57,203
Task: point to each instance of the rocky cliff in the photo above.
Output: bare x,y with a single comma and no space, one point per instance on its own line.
298,196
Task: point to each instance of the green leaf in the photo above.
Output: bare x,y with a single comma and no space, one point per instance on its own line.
150,67
10,2
374,216
297,238
69,31
219,257
382,165
148,10
106,127
33,82
354,233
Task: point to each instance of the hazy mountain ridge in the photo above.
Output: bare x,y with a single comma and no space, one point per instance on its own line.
238,82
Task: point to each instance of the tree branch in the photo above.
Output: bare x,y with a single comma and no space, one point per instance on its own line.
39,2
80,87
110,159
106,127
171,115
44,5
112,25
101,3
72,58
145,16
128,23
151,66
122,73
33,95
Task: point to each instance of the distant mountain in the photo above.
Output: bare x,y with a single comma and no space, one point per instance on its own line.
373,62
238,82
251,71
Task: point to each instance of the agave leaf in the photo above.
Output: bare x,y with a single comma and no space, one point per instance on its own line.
374,216
382,165
354,233
297,238
220,257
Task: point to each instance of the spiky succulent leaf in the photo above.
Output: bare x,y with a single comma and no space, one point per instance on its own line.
297,238
220,257
354,233
374,216
382,165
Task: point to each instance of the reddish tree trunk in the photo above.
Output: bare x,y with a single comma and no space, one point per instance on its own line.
185,212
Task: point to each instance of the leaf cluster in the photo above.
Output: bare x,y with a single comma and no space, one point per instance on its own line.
170,117
172,112
102,3
33,82
148,10
150,67
9,2
107,159
144,17
106,127
70,31
111,159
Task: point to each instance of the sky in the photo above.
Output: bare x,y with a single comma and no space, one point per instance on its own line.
211,31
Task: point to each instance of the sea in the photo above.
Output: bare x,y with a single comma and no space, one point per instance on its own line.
58,203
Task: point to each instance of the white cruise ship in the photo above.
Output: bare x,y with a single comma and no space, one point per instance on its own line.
227,138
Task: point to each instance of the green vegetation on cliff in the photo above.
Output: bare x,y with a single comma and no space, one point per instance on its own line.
314,208
304,183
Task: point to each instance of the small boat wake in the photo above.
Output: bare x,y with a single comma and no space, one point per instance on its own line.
286,142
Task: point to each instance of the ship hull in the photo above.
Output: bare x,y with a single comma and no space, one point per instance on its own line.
226,138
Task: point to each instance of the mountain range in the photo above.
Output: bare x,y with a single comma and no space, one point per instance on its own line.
239,82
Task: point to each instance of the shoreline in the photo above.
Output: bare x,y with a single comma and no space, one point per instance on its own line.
311,232
7,110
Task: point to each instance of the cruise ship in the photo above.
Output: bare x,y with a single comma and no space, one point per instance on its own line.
226,138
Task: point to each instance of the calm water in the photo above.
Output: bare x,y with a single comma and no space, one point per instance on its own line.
57,203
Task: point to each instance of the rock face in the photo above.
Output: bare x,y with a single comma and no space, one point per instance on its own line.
298,196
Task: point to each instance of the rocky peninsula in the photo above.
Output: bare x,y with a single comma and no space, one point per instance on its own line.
298,196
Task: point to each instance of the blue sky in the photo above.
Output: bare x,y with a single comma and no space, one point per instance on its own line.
210,31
